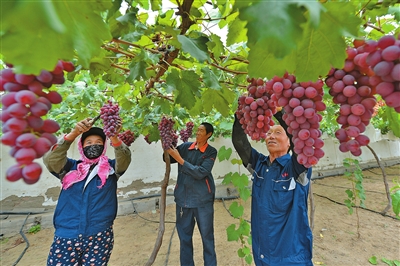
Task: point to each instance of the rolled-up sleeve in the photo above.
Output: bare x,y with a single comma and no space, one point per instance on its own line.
56,158
122,159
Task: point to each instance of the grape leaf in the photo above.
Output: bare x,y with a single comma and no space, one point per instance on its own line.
232,234
396,202
186,84
236,209
325,47
240,181
195,47
318,50
394,121
213,98
224,154
244,227
210,79
227,178
137,70
85,33
373,260
122,24
215,45
237,30
276,26
244,193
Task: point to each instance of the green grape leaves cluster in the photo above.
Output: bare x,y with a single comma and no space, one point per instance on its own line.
240,232
189,59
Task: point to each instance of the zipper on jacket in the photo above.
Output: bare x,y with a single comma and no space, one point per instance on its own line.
208,186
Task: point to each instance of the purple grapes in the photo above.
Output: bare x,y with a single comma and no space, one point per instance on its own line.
127,137
167,133
187,132
109,114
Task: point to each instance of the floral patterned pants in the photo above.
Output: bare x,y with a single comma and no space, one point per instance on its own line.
90,250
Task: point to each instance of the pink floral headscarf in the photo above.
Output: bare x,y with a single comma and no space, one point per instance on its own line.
82,170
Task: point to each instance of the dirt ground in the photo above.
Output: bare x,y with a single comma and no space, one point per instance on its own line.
336,241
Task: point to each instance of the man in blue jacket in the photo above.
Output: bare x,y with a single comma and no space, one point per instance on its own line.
87,205
280,231
194,195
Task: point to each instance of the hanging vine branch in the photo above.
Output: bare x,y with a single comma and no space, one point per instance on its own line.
389,206
161,226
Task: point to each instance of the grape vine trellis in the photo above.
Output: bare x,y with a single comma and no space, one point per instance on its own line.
174,62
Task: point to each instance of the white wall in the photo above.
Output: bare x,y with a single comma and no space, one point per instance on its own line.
148,167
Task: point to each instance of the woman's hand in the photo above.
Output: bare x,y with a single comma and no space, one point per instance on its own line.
80,127
115,141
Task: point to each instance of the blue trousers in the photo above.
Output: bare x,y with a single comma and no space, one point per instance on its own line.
185,222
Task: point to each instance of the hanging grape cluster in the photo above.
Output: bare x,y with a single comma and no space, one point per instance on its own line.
301,102
384,59
186,133
352,91
26,100
256,109
109,114
169,138
371,67
127,137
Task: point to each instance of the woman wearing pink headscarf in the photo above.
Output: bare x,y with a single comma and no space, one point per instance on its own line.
87,205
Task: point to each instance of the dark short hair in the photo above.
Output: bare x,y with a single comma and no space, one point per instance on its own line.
209,127
93,131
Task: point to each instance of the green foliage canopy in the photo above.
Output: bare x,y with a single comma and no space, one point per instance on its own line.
188,59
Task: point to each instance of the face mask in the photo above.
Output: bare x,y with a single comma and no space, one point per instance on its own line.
93,151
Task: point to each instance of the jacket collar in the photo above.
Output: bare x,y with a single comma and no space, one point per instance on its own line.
202,149
281,160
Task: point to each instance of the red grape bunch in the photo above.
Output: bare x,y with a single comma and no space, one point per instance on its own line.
352,88
109,114
187,132
26,100
169,138
255,110
384,59
301,102
127,137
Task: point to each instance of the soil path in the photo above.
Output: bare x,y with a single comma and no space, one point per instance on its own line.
336,241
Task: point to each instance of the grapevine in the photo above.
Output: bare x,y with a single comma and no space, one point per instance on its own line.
167,133
109,114
186,133
26,100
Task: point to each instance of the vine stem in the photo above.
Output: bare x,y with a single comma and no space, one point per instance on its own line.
312,206
355,204
161,226
384,181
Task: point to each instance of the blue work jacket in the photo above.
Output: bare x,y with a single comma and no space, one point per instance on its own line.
280,229
86,210
195,185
